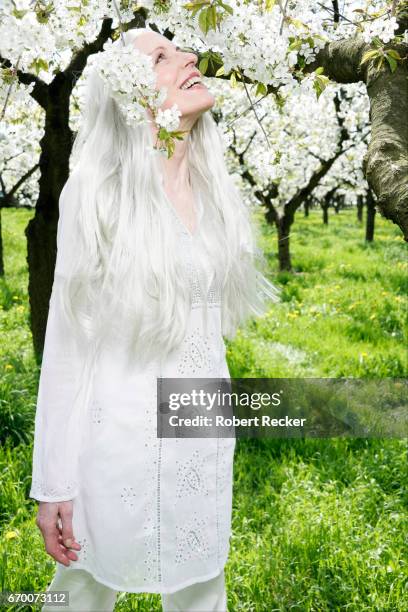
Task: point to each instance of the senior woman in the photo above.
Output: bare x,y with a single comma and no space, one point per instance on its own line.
156,262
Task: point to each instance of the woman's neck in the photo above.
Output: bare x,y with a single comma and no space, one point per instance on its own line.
176,174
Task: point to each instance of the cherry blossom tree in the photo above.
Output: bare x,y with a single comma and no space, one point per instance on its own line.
19,155
276,44
304,156
44,49
270,47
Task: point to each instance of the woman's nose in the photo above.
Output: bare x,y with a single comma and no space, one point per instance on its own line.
190,57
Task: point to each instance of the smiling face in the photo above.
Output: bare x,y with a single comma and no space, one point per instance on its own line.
176,69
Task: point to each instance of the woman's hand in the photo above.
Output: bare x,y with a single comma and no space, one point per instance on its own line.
54,520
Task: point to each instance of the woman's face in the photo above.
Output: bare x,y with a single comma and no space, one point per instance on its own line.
173,67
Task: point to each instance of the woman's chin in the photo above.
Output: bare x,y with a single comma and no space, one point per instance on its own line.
200,99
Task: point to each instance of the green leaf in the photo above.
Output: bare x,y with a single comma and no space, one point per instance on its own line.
297,23
178,134
319,70
42,16
280,100
269,4
320,84
39,64
295,45
226,7
212,17
170,147
18,14
380,62
377,42
163,133
203,65
368,55
393,54
261,89
8,76
220,71
301,62
317,88
392,62
203,21
233,79
192,6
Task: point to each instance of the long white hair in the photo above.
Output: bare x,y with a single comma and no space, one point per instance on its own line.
127,280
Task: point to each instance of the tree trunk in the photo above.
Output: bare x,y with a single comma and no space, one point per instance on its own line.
41,231
370,217
325,214
386,162
360,208
284,258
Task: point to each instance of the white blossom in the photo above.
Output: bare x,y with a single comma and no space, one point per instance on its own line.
383,29
169,118
131,79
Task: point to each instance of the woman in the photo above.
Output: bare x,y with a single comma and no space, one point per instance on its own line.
155,264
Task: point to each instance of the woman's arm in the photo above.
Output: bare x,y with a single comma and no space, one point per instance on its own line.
56,438
53,476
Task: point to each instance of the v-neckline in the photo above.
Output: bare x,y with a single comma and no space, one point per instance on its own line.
197,205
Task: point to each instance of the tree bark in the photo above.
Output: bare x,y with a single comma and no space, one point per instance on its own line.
41,231
360,208
325,204
284,220
284,257
386,161
56,146
370,220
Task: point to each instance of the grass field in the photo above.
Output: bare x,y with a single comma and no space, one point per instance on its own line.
318,525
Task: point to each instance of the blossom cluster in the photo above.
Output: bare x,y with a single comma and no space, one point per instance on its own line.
131,80
169,119
298,140
382,29
130,77
20,149
264,45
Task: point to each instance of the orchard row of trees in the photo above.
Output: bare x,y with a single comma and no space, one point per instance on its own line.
312,103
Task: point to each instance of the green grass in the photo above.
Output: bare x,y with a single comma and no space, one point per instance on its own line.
343,310
318,525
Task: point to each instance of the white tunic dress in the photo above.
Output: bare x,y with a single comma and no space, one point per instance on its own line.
152,514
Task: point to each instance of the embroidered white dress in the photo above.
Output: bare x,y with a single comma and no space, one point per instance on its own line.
152,514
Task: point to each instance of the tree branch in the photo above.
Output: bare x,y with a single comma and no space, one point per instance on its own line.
386,161
23,179
40,90
78,61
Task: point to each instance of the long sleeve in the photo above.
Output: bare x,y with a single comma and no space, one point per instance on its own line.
57,432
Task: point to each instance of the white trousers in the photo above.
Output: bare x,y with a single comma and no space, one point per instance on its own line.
88,595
